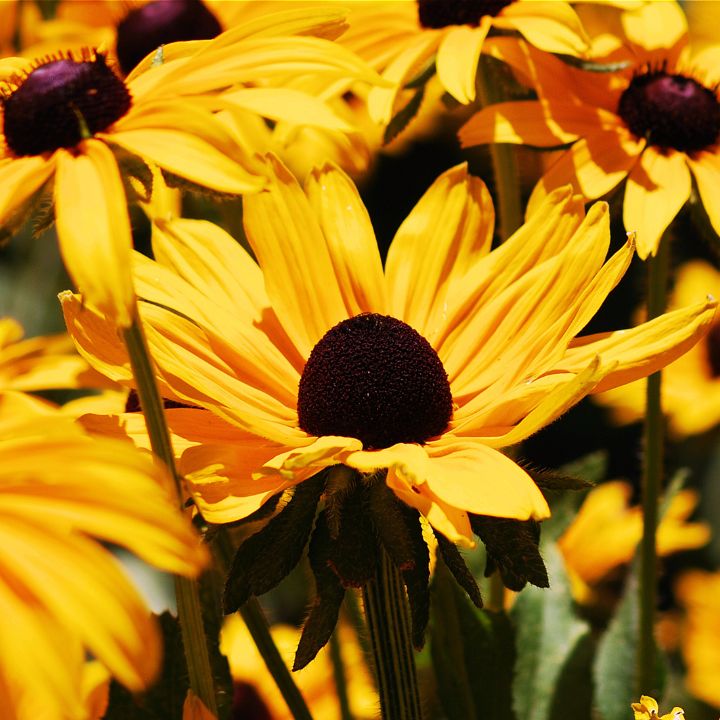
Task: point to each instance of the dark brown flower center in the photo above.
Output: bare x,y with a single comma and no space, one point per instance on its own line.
60,102
441,13
374,378
671,111
159,22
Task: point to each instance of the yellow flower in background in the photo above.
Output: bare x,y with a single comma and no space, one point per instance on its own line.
62,593
316,355
69,119
647,709
401,38
606,531
255,685
697,592
42,363
655,123
691,384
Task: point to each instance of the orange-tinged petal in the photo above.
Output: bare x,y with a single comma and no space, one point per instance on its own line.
457,58
550,26
195,709
657,188
705,167
642,350
593,166
94,229
289,245
349,234
318,453
439,242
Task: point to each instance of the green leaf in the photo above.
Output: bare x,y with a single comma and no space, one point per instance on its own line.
329,594
265,558
472,654
551,651
401,120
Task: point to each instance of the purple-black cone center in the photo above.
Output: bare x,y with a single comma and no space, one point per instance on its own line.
58,101
671,111
159,22
374,378
441,13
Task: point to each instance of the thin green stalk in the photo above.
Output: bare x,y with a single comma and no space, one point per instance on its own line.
388,620
340,676
186,591
503,156
257,624
496,599
652,480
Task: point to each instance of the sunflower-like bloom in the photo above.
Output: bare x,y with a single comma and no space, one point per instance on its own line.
691,384
655,123
62,591
71,120
647,709
402,37
606,531
316,356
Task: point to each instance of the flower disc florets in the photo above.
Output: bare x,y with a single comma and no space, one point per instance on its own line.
374,378
441,13
671,111
160,22
59,102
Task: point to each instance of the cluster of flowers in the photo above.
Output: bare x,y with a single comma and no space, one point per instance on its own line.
295,363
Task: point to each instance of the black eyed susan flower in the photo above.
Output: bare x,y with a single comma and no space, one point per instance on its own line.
648,709
69,120
63,493
655,123
401,38
317,357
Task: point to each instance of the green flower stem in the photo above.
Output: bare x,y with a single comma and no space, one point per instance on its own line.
186,590
340,676
496,599
388,621
652,479
257,624
503,156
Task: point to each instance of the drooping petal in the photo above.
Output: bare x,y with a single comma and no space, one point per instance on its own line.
439,242
349,234
20,179
550,26
94,229
291,250
657,188
705,167
593,166
457,59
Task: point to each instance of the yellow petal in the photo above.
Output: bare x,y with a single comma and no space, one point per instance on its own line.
645,349
440,241
657,188
458,56
94,229
20,179
350,238
705,167
318,453
291,250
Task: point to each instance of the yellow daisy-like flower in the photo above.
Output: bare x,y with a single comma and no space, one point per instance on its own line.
70,119
655,123
316,356
606,532
647,709
401,37
691,384
61,492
